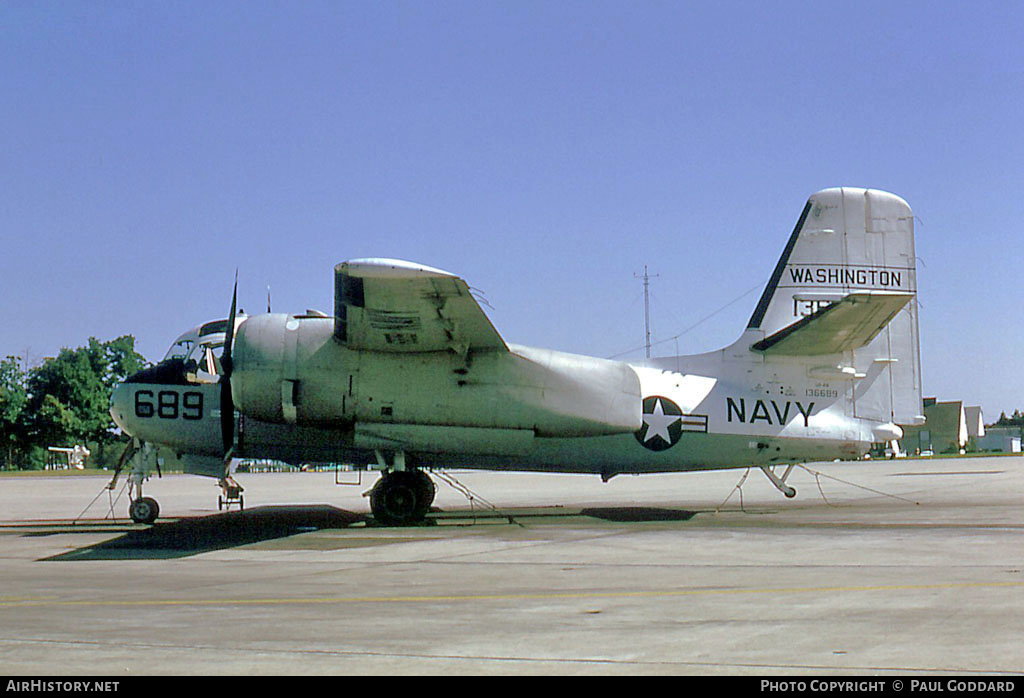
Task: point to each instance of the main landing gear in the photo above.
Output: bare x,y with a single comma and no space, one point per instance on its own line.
402,497
144,510
141,455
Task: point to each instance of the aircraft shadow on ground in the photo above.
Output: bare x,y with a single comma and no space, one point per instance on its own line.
638,514
191,536
632,514
194,535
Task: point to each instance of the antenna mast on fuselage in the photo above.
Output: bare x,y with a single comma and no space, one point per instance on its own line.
647,308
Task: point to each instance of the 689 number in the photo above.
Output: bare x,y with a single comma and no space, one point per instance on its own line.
169,404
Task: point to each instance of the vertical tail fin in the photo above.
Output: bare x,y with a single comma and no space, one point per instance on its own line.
844,291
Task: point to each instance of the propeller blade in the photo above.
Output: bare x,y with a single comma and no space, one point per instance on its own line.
227,403
229,331
227,417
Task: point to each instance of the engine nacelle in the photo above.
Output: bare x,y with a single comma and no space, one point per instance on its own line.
272,358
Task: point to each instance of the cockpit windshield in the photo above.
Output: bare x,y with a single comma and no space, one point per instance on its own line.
180,349
199,349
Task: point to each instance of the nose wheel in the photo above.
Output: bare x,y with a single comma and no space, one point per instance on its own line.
231,494
402,498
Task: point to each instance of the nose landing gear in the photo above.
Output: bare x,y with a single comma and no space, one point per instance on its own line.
231,494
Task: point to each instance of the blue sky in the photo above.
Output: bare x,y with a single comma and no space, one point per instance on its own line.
545,151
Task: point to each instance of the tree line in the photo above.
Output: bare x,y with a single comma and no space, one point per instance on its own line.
64,401
1017,420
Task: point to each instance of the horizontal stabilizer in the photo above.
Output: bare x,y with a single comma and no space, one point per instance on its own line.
395,306
846,324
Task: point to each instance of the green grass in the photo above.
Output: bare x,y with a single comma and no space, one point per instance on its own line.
88,472
54,473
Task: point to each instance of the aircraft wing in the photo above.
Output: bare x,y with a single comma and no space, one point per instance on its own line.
848,323
396,306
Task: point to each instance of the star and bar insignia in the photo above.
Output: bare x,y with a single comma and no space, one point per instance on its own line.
664,423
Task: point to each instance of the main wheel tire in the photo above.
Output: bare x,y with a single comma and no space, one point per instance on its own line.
144,510
398,498
427,491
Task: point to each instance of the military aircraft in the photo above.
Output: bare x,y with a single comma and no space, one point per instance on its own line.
409,374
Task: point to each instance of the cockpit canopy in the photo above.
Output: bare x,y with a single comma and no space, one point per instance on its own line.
195,354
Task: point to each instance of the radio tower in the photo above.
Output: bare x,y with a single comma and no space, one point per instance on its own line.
647,307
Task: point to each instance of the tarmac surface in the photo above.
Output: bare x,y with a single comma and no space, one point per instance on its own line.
896,567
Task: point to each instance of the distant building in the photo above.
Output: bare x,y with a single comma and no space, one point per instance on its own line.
975,427
1001,439
944,431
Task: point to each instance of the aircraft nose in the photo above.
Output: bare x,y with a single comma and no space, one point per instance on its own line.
119,406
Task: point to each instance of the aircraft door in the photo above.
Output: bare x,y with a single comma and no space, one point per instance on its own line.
290,372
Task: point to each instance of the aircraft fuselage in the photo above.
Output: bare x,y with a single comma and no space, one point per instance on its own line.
302,397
